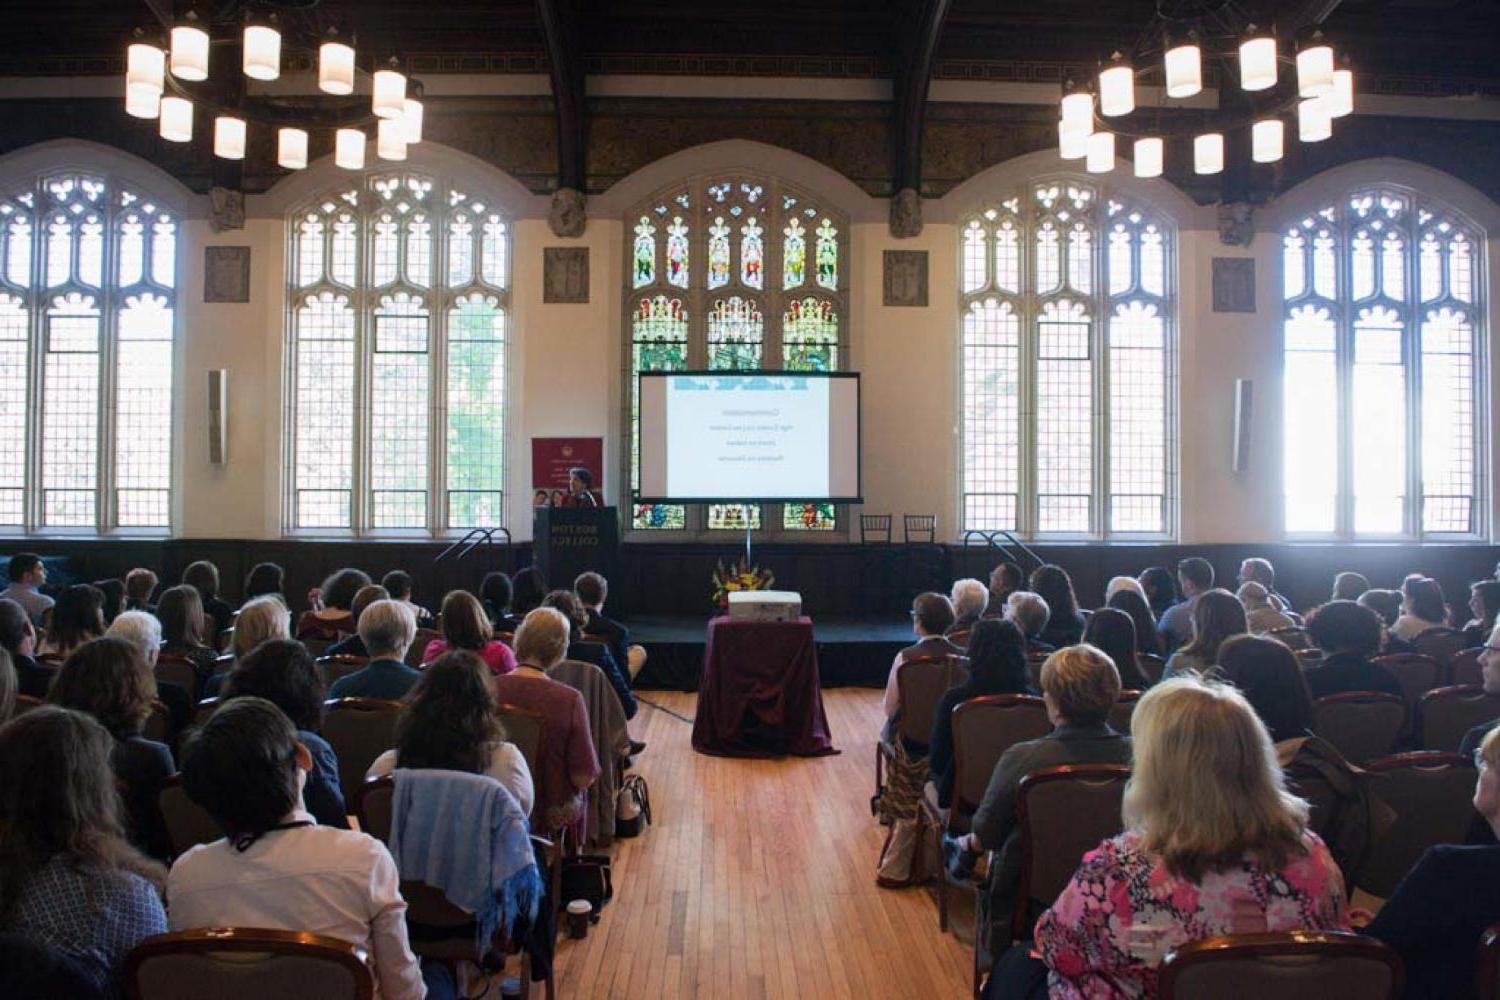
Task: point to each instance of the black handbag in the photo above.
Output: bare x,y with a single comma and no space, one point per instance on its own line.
632,807
586,876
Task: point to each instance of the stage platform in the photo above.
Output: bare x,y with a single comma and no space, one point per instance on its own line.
851,651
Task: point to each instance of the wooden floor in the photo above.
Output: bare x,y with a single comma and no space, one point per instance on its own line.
758,880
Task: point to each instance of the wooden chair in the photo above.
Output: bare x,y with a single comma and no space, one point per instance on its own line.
1123,710
919,528
359,730
1487,964
225,638
526,728
1297,965
178,670
921,681
1360,724
419,646
1464,669
247,962
1152,665
1441,643
204,710
1309,657
874,529
187,823
332,668
26,702
1294,636
1431,794
509,638
1417,673
1444,716
983,729
158,725
959,637
318,645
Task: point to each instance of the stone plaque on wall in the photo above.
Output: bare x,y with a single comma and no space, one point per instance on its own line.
1234,284
905,278
226,274
565,274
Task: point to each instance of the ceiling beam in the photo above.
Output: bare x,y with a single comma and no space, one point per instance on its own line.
915,51
559,19
1306,13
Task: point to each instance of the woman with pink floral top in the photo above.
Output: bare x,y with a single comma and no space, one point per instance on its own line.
1213,844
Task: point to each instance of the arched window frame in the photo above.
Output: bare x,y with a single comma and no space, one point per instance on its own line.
1010,296
698,338
372,288
129,469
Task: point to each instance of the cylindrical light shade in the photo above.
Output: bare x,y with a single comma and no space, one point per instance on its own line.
1078,113
189,52
336,68
1341,98
142,101
390,139
1101,153
1258,63
411,120
1071,145
1184,70
349,149
1117,90
1266,140
1149,154
389,100
1315,69
262,52
145,66
229,137
291,148
1313,121
176,119
1208,153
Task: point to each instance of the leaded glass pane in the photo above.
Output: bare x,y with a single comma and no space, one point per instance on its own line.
1064,417
810,336
143,412
991,415
323,433
14,355
70,412
659,342
399,408
644,253
476,411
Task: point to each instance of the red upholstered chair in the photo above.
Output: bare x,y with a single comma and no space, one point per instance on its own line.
1123,711
1151,665
1464,669
359,730
921,681
178,670
158,724
247,962
332,668
1360,724
1441,643
1299,965
1417,673
415,653
1432,795
187,823
1294,636
1444,716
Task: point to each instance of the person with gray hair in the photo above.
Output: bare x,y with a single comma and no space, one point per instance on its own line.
1260,613
141,630
1030,613
387,628
970,598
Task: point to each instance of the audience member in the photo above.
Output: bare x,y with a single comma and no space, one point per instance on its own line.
1260,614
398,584
1112,631
467,627
388,629
1386,604
112,593
1484,605
1160,588
282,672
277,868
140,584
1422,607
1005,579
1213,844
527,590
592,590
596,653
1349,635
260,620
9,683
1217,615
265,579
494,591
448,722
1196,576
353,645
970,597
1133,604
143,631
27,573
1440,910
69,880
569,764
1119,583
204,575
931,617
1258,570
109,679
997,665
1064,621
332,616
77,618
1030,613
1349,586
1489,666
180,612
18,638
1267,673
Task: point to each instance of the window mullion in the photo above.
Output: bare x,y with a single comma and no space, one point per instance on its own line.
437,365
109,350
360,501
1412,346
1344,525
1028,305
36,367
1099,344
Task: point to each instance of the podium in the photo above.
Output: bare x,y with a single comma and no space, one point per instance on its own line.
566,541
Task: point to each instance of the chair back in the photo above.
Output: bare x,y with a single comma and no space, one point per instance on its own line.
179,670
983,729
1417,673
874,529
1063,813
359,730
332,668
1297,965
1309,657
921,682
158,725
1432,795
1446,715
1360,724
418,646
919,528
26,702
219,963
1152,665
187,823
318,645
1464,669
1487,964
1123,710
204,710
527,729
509,638
225,638
374,805
1441,643
959,637
1294,636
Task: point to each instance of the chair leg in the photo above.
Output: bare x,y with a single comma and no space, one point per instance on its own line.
879,781
942,878
525,976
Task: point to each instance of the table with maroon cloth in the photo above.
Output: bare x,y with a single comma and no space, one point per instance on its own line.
760,695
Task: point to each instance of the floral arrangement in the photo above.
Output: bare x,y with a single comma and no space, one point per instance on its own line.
738,576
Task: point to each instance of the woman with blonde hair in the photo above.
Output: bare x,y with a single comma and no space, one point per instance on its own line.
1213,844
262,619
466,626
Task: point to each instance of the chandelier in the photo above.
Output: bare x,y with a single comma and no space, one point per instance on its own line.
1275,90
195,69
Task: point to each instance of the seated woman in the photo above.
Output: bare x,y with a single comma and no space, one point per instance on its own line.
1348,586
448,721
1217,615
1160,587
1484,604
1213,844
180,612
260,620
1422,607
588,651
1348,634
332,615
265,580
527,590
69,880
204,577
353,645
1147,639
282,672
108,679
1440,909
140,584
570,764
1113,632
997,665
77,617
467,627
495,593
1065,622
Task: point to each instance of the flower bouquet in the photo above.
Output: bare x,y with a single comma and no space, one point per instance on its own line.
738,576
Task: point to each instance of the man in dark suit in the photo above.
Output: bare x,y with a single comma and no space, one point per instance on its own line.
592,590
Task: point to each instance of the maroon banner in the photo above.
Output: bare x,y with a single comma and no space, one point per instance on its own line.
551,458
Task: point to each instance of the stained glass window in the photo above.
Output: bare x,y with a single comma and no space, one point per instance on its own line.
90,338
398,334
729,315
1360,343
1066,362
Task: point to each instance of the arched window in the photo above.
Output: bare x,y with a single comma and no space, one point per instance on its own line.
87,298
1383,328
733,271
1068,388
399,287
